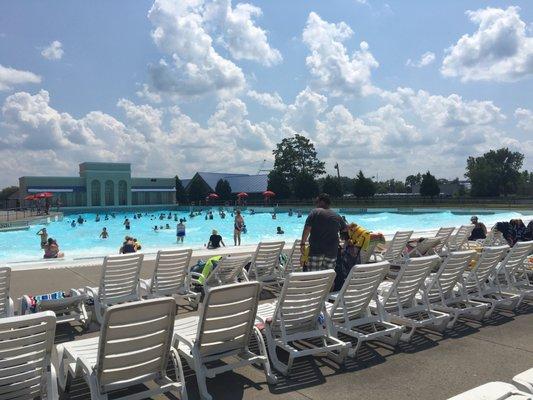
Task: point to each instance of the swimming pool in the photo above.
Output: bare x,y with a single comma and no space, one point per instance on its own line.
83,240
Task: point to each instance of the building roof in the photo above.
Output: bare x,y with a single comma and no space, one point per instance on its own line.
238,182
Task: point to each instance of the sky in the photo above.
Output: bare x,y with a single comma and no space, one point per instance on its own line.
174,87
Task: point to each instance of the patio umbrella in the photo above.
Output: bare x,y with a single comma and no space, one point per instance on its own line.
213,196
242,194
29,197
44,195
269,193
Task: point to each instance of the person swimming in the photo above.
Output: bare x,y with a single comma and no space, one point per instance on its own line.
279,231
73,224
104,234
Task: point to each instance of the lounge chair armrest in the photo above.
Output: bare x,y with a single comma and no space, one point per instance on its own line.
91,292
178,338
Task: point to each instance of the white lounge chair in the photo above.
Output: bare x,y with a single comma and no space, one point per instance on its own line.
395,249
6,303
119,282
350,312
440,289
265,263
479,287
293,263
294,317
511,274
443,233
524,381
171,276
133,348
222,329
459,241
399,302
425,247
68,309
25,358
493,391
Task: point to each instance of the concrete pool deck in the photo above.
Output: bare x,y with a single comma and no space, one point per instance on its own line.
431,367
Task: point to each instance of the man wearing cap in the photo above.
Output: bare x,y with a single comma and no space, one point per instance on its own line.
479,231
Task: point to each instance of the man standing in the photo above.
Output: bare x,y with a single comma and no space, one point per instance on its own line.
322,227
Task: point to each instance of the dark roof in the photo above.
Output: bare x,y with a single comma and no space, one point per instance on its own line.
238,182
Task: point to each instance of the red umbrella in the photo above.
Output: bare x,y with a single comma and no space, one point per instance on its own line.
242,194
44,195
213,196
29,197
269,193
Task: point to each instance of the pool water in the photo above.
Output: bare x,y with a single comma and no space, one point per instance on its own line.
83,240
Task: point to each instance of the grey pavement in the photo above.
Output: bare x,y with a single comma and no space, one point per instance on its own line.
432,367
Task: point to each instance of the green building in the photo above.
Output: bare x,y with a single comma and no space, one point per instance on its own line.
101,185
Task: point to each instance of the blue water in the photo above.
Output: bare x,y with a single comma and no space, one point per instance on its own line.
83,240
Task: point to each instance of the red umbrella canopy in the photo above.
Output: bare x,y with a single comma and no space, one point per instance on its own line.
44,195
213,196
242,194
29,197
269,193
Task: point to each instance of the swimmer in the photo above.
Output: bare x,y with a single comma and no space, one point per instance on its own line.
73,224
104,234
279,231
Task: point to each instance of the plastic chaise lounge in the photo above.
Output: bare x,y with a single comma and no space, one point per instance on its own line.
444,233
459,241
171,276
445,295
350,312
222,329
26,344
6,303
292,322
293,263
426,247
493,391
524,381
134,347
119,283
265,263
398,300
67,309
479,286
511,273
395,250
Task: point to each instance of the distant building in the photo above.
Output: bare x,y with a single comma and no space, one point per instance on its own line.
251,184
101,184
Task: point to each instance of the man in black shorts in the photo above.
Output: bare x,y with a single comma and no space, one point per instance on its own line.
322,227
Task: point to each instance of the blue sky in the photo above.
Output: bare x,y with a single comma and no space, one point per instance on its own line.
390,87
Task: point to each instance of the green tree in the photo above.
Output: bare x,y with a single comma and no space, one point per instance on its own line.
279,185
8,191
198,189
223,189
363,186
429,185
181,194
305,186
413,180
332,186
296,155
494,173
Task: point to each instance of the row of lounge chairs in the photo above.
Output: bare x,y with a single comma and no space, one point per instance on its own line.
138,338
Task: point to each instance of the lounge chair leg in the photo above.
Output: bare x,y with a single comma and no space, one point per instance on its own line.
270,377
178,369
95,391
200,371
406,336
271,347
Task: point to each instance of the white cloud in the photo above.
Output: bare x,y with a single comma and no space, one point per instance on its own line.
269,100
329,62
54,51
524,118
500,50
9,77
145,93
195,67
425,59
240,35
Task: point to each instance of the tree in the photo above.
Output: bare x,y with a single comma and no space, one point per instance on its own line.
181,194
363,186
305,186
8,191
429,185
198,189
332,186
494,173
413,180
223,189
296,155
279,185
